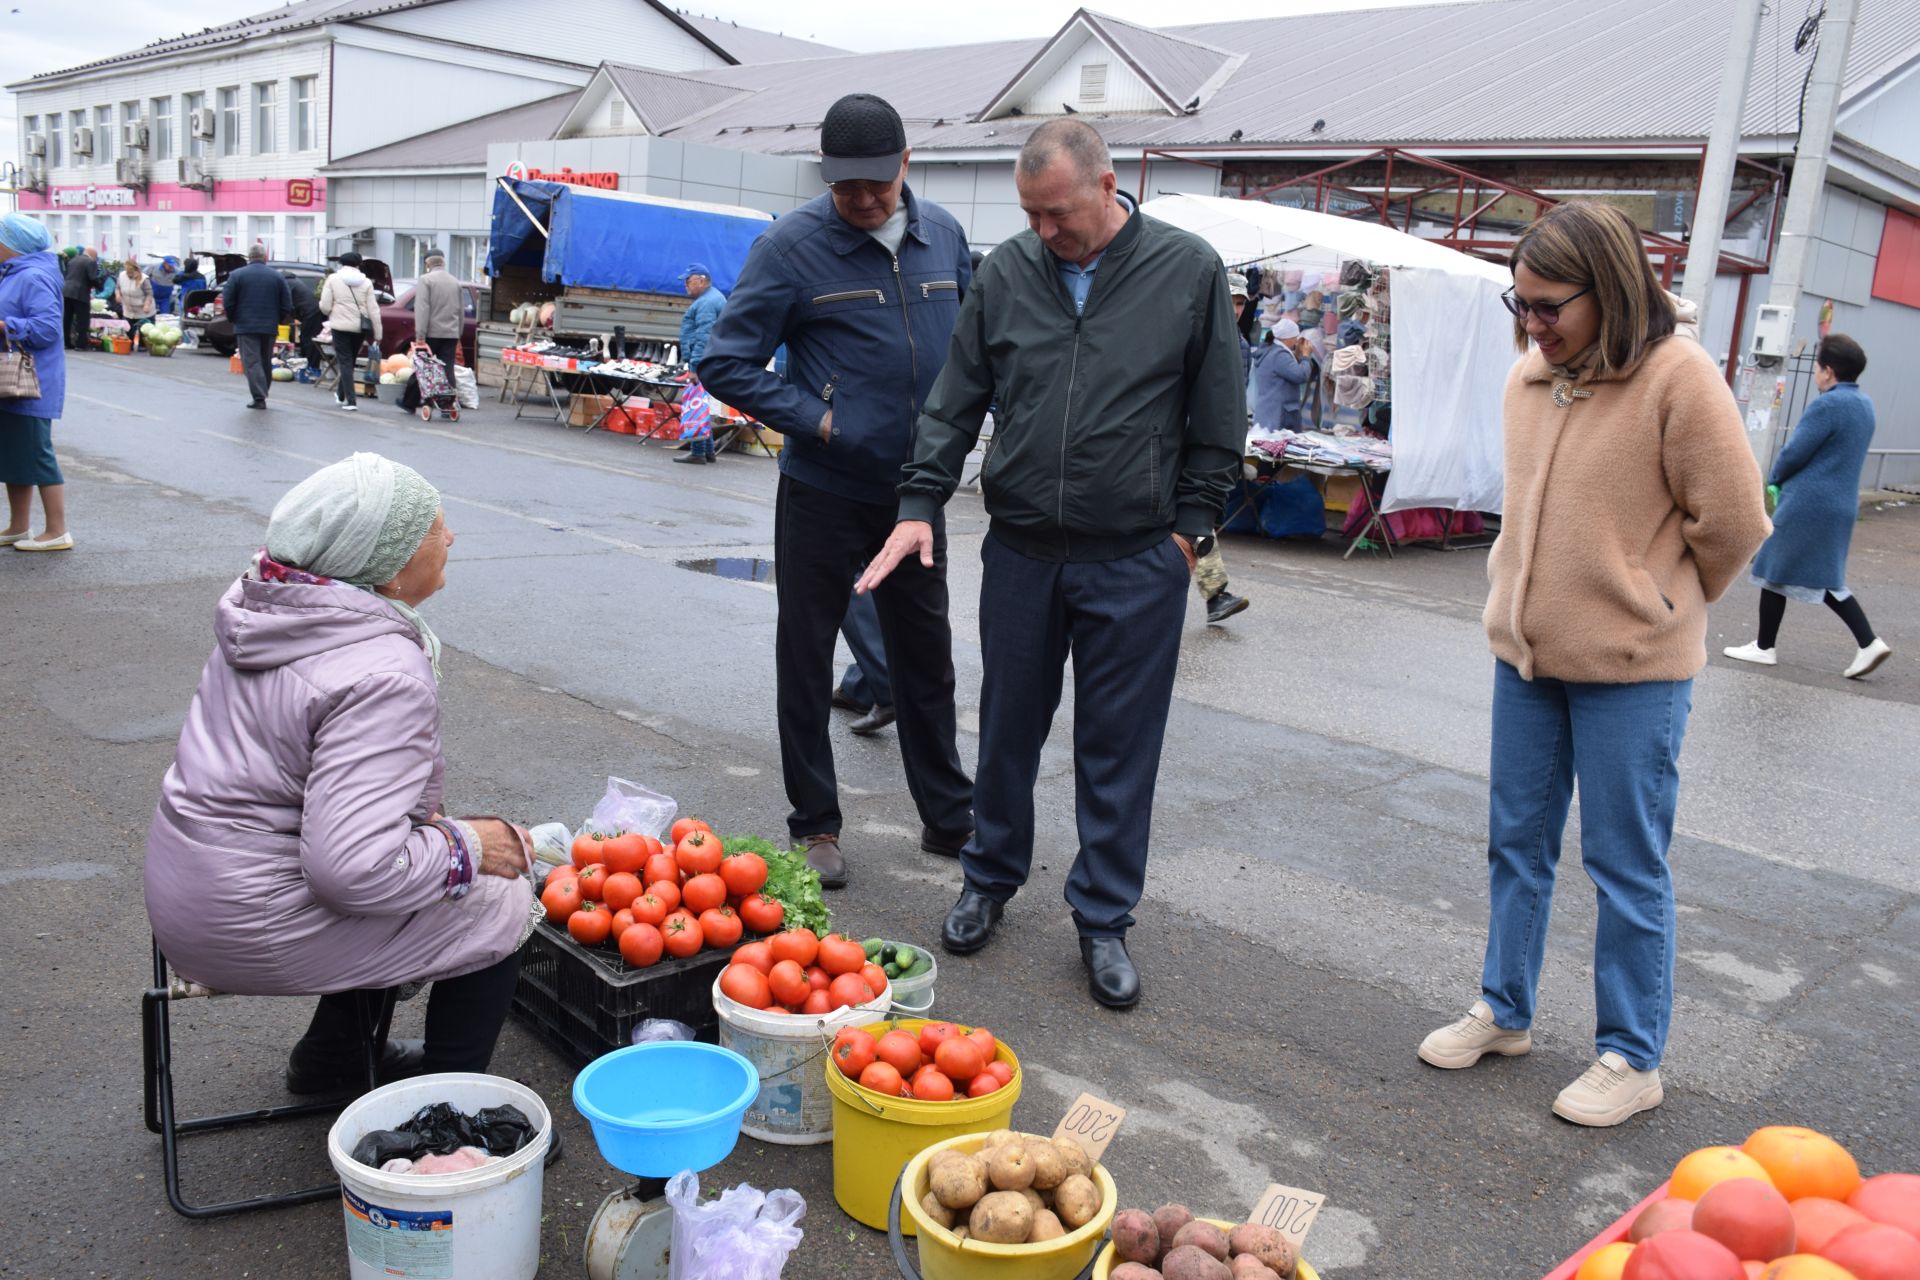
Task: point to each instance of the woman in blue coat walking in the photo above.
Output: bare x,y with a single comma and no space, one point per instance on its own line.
1818,475
31,321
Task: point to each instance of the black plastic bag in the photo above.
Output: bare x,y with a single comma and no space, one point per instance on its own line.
442,1129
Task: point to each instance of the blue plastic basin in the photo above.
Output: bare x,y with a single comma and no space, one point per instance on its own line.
657,1109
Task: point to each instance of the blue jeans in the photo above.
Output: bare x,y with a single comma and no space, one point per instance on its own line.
865,680
1622,743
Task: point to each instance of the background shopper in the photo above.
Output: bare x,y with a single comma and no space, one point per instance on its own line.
352,310
258,301
31,321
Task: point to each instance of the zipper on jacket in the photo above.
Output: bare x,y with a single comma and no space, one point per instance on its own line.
1066,428
852,294
913,352
926,290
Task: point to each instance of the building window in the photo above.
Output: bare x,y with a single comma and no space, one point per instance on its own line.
617,112
407,253
1093,82
300,246
467,257
229,125
130,236
260,231
191,144
103,135
306,95
225,231
52,223
160,140
266,122
56,146
103,234
193,236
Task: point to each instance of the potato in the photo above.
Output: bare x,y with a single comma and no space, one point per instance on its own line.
1010,1169
960,1183
1134,1271
1169,1218
1045,1227
1135,1238
1034,1199
1074,1155
1189,1262
1265,1244
1203,1235
1000,1137
1001,1217
960,1231
1076,1201
1049,1166
931,1206
1247,1267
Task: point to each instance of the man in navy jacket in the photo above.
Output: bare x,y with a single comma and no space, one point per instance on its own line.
863,285
258,301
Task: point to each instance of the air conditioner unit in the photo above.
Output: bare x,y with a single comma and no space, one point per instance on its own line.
134,135
83,141
200,122
130,173
36,144
36,175
193,174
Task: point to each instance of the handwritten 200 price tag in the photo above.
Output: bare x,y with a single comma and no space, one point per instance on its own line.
1091,1122
1288,1210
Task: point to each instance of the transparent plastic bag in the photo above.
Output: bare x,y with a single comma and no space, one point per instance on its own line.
744,1235
628,806
662,1029
552,842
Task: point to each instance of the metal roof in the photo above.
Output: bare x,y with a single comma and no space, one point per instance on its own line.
752,45
1491,71
464,145
1178,64
663,100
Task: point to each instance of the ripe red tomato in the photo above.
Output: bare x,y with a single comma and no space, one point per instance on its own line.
882,1078
682,826
623,853
590,924
984,1038
622,921
653,846
620,889
565,871
668,891
683,934
933,1034
959,1059
757,954
746,984
901,1051
760,914
660,866
703,893
744,873
876,977
982,1085
849,989
817,978
699,853
852,1052
648,909
929,1085
641,945
721,927
1001,1071
587,850
816,1002
840,954
561,900
797,945
789,982
593,882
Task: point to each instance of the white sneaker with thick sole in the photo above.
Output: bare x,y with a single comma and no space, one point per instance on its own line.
1868,660
62,543
1751,652
1463,1043
1609,1092
349,408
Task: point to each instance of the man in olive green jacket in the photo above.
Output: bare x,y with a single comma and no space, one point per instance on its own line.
1105,341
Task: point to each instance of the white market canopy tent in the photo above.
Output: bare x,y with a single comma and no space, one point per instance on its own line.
1452,339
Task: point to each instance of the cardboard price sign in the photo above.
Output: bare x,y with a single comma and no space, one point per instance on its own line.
1091,1122
1288,1210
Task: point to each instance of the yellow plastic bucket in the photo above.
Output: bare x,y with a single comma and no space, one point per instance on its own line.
874,1135
1103,1267
943,1256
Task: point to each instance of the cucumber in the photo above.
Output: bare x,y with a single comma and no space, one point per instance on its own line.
921,964
891,970
872,946
889,953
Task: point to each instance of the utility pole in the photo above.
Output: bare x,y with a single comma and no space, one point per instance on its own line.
1773,330
1723,153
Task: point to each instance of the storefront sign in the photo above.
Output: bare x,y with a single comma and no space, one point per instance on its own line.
94,198
300,192
604,180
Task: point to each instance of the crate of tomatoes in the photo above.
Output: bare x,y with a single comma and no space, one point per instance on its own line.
638,928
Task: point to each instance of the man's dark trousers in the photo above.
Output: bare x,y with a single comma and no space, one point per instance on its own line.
447,352
820,543
256,358
77,315
1121,620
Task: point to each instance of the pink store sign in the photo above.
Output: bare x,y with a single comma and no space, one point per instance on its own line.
290,195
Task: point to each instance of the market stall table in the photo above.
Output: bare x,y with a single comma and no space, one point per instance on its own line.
546,366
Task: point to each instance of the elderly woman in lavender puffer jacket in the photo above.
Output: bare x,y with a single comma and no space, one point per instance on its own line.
306,792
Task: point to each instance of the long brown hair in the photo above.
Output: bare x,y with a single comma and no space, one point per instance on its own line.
1584,242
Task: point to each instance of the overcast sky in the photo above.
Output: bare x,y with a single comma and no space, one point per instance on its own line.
45,35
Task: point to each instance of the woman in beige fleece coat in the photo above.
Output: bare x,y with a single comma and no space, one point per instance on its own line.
1632,500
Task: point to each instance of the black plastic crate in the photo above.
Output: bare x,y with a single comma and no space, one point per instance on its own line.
586,1001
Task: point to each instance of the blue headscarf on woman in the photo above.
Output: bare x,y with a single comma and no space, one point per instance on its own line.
22,234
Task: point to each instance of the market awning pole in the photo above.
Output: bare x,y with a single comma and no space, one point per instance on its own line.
1723,151
515,197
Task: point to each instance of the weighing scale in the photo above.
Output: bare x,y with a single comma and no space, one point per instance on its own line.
631,1235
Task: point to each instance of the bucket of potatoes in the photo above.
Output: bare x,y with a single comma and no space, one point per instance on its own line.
1006,1206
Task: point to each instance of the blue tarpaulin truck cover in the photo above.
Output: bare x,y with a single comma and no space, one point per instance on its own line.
616,239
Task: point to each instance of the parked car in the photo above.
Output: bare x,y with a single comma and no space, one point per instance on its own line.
396,320
203,313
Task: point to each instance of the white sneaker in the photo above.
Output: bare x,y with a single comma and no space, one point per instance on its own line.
1869,659
1463,1043
1752,652
350,408
8,539
62,543
1609,1092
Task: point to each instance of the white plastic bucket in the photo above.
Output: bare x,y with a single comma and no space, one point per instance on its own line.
480,1224
793,1107
913,997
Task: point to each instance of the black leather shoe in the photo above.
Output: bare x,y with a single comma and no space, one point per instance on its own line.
970,923
845,703
1111,976
695,458
401,1059
947,844
1223,606
824,856
876,719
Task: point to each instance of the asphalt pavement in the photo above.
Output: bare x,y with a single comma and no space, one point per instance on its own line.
1316,897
